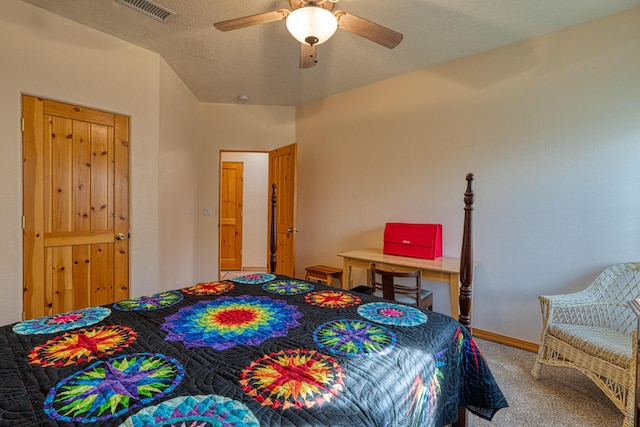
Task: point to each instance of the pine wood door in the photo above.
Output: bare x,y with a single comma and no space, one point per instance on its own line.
283,166
75,206
231,216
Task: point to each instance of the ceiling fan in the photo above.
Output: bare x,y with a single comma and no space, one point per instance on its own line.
312,22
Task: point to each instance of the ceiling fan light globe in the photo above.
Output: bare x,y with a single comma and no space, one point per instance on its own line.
312,23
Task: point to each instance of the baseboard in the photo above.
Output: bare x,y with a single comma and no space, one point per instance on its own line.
254,269
503,339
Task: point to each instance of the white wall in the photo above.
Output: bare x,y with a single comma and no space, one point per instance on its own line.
551,129
255,206
177,182
45,55
232,127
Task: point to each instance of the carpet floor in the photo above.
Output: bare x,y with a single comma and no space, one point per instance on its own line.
561,398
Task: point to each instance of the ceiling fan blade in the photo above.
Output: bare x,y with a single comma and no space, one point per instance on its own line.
367,29
248,21
308,55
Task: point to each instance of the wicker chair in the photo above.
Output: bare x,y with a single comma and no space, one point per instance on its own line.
595,332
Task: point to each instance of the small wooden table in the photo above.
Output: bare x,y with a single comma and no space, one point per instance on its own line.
445,270
323,273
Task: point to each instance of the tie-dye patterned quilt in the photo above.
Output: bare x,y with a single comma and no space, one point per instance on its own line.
260,350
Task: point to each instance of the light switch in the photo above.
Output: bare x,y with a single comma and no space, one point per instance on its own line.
207,212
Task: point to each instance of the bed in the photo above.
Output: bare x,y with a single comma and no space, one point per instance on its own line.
259,350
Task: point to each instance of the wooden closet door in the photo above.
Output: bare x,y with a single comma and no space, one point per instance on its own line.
231,216
76,207
283,171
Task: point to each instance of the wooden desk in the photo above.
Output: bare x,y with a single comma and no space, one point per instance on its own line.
445,270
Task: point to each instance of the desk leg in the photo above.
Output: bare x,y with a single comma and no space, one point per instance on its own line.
346,274
454,284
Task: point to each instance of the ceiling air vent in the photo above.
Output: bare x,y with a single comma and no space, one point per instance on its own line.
149,8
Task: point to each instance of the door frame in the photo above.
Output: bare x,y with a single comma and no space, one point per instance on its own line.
266,195
220,161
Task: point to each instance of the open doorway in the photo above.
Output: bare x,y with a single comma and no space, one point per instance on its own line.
243,213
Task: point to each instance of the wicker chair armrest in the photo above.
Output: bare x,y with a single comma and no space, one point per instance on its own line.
575,299
584,310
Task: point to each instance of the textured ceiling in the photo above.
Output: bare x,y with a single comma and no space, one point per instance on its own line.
262,61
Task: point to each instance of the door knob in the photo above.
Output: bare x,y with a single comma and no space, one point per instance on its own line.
120,236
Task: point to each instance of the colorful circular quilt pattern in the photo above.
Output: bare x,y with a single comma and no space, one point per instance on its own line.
81,346
255,279
288,287
62,322
293,379
110,388
354,338
151,302
332,299
392,314
194,411
211,288
229,321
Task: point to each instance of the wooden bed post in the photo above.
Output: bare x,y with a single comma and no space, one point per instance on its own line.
466,276
274,231
466,257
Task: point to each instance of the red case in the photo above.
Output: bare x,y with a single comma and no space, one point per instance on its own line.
413,240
